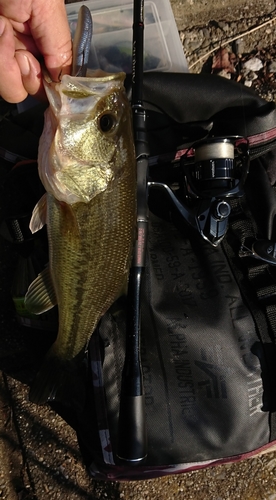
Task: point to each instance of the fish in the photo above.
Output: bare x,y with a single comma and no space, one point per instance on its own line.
87,165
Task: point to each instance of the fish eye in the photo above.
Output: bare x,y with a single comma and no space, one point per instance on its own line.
107,122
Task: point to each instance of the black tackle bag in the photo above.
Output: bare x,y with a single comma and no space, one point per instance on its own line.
208,292
208,314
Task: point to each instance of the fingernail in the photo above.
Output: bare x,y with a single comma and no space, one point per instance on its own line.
23,63
2,26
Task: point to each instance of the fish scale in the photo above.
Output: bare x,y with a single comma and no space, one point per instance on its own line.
88,169
85,285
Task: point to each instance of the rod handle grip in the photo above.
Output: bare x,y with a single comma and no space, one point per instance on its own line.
132,437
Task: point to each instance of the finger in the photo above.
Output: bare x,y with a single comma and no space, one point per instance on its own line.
50,29
23,41
30,73
11,86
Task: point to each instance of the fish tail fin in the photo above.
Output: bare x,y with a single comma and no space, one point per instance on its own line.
58,381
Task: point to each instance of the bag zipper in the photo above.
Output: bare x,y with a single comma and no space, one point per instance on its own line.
259,144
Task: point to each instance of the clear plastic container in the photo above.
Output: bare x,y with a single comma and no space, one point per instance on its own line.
112,35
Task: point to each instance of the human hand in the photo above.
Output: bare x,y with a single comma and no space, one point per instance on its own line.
32,30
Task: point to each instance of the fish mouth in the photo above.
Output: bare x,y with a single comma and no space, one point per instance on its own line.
84,148
96,84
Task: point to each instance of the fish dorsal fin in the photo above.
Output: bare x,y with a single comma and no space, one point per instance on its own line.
41,295
38,219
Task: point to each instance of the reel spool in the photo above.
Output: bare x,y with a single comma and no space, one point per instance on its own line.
217,173
214,170
218,168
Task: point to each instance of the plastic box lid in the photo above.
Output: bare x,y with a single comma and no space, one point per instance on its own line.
112,35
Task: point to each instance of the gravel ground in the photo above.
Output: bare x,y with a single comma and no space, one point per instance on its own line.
38,451
230,38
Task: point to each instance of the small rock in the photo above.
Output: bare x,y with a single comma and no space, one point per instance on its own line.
224,74
221,475
240,46
195,44
252,76
271,464
190,482
253,64
206,33
272,67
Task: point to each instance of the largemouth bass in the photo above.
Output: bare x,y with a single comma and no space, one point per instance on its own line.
87,166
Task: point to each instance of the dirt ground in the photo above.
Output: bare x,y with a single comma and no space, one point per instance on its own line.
39,455
189,13
244,30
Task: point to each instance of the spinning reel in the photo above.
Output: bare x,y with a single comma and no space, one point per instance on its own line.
216,173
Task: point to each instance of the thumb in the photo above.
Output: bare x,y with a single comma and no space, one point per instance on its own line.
50,30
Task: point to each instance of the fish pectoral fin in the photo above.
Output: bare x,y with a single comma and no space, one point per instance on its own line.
38,219
41,295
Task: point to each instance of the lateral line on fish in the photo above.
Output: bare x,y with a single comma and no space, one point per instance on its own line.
90,236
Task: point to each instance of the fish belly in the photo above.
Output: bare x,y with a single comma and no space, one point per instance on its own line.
90,248
90,251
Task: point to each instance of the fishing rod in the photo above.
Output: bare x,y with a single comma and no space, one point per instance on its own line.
132,443
132,435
